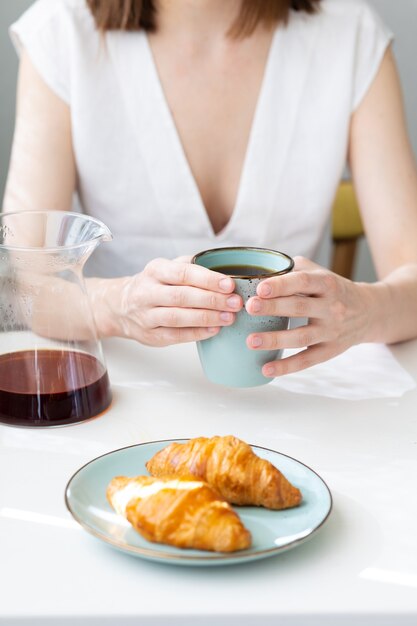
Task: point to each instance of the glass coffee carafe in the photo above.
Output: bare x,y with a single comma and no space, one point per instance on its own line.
52,370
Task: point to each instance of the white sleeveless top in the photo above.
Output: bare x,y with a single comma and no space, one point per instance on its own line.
132,170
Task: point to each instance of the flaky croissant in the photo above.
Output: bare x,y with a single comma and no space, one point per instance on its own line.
231,467
179,511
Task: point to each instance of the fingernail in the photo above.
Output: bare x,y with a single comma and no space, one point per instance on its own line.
264,290
256,306
268,370
256,342
226,317
226,284
233,302
212,329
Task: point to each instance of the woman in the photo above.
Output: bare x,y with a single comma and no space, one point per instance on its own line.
200,123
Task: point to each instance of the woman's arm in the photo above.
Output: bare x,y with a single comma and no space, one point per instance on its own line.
42,167
170,301
385,178
343,313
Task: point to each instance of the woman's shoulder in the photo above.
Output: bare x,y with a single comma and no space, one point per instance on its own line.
343,9
46,13
52,32
343,44
48,8
349,15
341,23
342,26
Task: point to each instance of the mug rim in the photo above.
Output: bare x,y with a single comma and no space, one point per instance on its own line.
251,248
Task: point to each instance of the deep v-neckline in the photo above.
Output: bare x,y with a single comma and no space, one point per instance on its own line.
198,207
175,196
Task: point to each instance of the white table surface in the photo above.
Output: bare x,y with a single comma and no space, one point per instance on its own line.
360,568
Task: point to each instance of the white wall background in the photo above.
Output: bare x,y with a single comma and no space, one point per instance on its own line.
399,15
9,11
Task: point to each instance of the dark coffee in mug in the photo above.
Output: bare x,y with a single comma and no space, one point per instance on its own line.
243,270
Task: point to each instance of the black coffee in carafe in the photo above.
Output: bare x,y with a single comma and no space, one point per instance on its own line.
51,387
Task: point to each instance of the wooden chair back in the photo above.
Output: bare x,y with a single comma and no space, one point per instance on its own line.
347,229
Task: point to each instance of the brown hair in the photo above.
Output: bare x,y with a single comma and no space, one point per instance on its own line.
137,14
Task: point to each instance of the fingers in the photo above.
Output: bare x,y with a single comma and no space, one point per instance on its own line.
183,259
307,335
192,297
176,302
189,274
288,306
302,360
301,263
175,317
317,282
161,337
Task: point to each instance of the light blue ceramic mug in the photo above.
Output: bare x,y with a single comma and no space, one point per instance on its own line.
225,358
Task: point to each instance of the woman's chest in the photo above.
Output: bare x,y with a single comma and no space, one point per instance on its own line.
212,98
192,157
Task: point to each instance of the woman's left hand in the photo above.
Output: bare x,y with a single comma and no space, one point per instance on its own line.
339,314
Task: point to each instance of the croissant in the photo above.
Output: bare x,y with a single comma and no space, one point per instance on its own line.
231,467
179,511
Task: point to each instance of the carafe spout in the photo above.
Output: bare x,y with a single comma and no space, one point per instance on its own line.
103,233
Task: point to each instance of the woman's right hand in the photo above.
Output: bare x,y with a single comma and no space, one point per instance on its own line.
169,302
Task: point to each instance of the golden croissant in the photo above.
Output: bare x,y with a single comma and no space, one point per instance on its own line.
231,467
179,511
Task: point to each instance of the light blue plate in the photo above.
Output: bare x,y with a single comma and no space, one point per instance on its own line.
272,531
